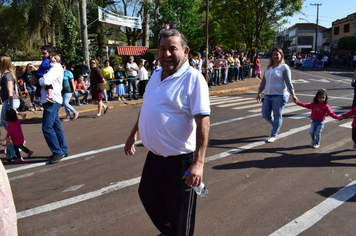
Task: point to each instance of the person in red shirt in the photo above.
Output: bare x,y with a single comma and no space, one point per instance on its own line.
81,90
14,133
319,109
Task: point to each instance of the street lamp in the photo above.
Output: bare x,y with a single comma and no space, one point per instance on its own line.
304,19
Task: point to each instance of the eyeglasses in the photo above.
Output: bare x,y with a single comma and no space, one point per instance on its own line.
92,62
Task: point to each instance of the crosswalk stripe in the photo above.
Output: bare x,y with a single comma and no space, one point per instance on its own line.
239,103
215,99
259,109
248,106
346,125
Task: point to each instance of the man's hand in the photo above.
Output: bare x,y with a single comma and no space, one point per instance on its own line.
130,145
195,176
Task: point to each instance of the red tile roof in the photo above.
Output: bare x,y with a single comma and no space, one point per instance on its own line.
131,50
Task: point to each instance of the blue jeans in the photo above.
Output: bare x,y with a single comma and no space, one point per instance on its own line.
224,76
242,73
236,73
276,104
132,83
217,76
79,94
31,90
315,130
67,107
5,107
105,95
52,129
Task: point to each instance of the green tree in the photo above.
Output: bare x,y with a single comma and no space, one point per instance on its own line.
347,43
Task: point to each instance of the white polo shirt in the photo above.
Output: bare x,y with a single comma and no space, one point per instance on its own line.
166,124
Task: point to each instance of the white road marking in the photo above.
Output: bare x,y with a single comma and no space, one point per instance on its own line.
346,125
346,97
242,102
234,100
79,198
311,217
259,109
73,188
300,81
130,182
248,106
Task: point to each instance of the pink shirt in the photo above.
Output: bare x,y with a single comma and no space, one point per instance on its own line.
15,132
351,113
319,110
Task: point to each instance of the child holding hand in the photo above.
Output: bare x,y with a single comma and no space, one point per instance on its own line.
319,108
14,133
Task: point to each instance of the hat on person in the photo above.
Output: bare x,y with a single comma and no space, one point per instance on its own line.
199,55
119,66
131,57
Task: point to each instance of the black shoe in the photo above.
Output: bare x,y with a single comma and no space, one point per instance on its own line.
106,109
129,99
55,159
66,155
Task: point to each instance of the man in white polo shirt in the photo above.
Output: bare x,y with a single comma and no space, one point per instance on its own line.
132,70
174,126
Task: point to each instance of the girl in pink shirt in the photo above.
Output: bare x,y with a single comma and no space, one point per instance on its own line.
14,133
319,109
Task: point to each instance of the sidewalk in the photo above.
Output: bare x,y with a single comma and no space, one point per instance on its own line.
247,84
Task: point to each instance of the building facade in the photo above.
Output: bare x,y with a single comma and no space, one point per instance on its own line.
343,27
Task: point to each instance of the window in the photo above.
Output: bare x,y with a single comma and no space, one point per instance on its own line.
336,30
346,28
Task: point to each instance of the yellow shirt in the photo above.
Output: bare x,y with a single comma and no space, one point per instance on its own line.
231,60
108,72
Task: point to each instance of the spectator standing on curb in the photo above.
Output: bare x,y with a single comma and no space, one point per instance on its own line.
276,82
67,92
132,68
120,77
108,73
29,72
85,71
143,77
177,146
237,67
51,125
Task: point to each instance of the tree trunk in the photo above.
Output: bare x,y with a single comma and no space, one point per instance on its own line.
84,29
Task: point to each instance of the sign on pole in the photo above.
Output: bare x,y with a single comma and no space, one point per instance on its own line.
110,17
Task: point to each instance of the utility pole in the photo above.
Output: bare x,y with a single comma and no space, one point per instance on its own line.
317,22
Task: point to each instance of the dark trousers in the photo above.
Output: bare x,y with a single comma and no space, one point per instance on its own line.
141,87
354,135
17,151
168,201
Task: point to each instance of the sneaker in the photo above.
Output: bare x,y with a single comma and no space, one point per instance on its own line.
316,146
29,154
119,99
271,139
312,144
354,147
84,102
76,115
18,160
55,159
97,116
123,99
66,119
50,99
106,109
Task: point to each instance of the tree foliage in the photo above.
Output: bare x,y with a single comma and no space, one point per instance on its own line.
347,43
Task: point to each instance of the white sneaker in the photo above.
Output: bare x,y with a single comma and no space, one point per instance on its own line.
123,99
271,139
316,146
119,99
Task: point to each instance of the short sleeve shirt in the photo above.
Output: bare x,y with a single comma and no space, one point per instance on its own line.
166,124
131,65
108,72
3,83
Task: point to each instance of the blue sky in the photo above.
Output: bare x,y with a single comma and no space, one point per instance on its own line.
329,11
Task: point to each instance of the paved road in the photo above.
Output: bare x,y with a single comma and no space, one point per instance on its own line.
255,188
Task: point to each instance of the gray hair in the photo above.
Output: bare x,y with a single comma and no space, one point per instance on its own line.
173,32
